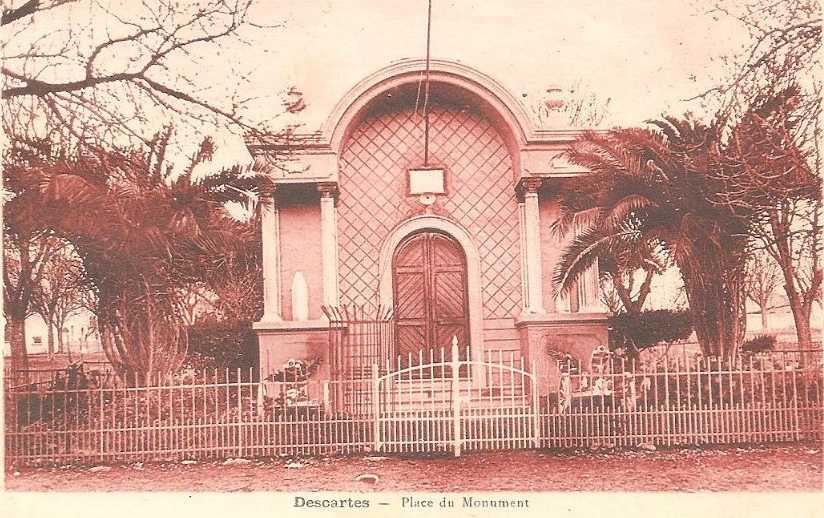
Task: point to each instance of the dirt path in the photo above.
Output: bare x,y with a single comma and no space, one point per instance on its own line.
776,468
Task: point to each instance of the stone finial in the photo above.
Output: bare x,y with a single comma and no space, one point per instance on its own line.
554,99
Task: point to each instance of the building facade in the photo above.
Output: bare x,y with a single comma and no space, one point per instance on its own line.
459,248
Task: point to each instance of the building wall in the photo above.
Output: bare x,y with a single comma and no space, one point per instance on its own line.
500,335
373,197
300,251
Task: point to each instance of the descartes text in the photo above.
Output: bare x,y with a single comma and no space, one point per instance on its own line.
329,502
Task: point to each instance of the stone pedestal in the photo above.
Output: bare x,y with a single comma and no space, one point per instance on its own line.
575,333
282,341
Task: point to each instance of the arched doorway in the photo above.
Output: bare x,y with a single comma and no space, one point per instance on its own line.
429,280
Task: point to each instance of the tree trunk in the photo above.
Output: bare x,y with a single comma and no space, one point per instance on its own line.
60,341
50,339
144,344
716,298
764,314
800,308
16,329
801,317
805,340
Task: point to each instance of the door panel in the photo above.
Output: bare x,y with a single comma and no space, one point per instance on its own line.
409,337
446,252
410,253
429,280
448,295
410,302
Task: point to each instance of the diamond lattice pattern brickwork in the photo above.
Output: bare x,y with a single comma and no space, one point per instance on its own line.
480,197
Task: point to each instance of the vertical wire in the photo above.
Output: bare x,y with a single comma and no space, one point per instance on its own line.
426,89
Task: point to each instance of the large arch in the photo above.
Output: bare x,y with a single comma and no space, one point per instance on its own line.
490,96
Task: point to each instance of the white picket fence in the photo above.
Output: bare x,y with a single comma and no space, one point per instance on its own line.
447,405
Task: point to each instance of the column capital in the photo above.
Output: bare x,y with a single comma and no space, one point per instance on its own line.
270,197
328,189
528,185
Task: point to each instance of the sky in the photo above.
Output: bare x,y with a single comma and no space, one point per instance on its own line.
644,56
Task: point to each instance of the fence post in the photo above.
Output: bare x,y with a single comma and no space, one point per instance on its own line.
376,407
240,428
797,427
456,397
536,417
327,403
101,448
259,398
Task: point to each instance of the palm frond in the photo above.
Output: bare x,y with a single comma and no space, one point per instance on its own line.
583,253
618,213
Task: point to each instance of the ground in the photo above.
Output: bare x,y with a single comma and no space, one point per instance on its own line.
795,467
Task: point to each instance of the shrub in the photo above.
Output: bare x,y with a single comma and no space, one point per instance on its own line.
636,331
758,344
296,370
224,344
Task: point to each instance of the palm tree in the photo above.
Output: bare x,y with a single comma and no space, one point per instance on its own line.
648,203
144,232
621,264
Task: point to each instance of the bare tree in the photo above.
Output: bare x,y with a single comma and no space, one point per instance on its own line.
61,292
108,75
763,278
17,10
28,243
114,74
783,44
25,256
772,175
776,169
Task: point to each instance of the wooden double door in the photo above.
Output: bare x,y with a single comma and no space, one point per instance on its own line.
430,294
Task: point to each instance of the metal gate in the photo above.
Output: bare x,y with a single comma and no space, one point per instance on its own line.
417,413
